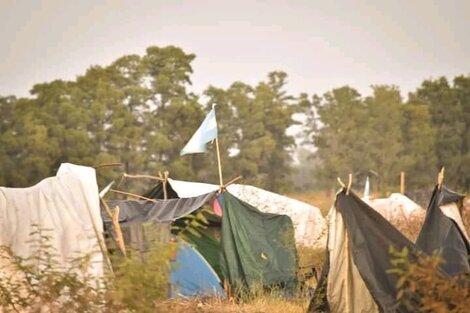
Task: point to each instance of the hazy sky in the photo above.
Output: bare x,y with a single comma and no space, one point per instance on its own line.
320,44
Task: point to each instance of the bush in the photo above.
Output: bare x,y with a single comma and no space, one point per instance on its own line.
39,283
424,288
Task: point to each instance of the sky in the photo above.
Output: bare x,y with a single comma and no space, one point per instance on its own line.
321,45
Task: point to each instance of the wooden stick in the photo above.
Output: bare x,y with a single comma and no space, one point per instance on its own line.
121,180
402,182
114,216
349,184
221,181
165,180
133,195
440,178
99,166
233,180
341,182
143,176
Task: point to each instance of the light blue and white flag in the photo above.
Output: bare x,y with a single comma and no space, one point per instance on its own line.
205,133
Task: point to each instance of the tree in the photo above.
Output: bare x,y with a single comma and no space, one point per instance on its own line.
384,114
447,118
418,156
338,127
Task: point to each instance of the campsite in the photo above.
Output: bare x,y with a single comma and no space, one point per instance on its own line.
234,156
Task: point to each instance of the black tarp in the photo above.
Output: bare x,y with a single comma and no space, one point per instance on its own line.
441,234
371,237
257,248
157,192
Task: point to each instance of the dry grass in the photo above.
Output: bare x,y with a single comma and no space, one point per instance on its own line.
320,199
266,304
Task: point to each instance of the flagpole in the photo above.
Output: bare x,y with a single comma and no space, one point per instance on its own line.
221,180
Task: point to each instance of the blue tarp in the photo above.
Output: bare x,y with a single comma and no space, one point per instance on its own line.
192,276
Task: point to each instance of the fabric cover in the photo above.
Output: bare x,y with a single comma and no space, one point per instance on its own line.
369,237
161,211
157,192
192,276
257,247
208,247
347,291
396,207
442,233
309,224
67,205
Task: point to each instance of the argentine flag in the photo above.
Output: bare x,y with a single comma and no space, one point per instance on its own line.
205,133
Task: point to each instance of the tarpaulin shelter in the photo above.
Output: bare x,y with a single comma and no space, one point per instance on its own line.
253,245
64,207
443,231
256,247
309,224
355,275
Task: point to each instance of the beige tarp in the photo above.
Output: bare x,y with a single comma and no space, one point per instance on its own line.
346,290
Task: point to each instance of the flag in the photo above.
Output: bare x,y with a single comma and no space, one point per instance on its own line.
366,190
205,133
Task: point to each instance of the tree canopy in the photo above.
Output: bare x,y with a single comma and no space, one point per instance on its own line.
138,111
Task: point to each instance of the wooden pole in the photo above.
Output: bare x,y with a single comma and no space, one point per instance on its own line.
143,176
221,180
132,195
402,182
165,180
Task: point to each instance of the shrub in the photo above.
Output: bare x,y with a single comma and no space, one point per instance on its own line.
424,288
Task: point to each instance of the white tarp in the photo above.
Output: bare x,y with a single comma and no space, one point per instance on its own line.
67,205
396,207
309,224
452,211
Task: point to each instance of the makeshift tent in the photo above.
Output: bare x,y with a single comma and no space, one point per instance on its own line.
263,243
144,222
192,276
355,275
396,207
256,247
309,224
66,208
443,231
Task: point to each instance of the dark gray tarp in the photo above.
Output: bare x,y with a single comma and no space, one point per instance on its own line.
442,234
161,211
371,237
257,247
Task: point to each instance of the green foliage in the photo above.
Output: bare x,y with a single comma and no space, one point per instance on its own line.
253,121
138,111
39,282
138,283
424,288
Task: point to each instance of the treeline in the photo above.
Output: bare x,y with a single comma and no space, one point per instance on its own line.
138,111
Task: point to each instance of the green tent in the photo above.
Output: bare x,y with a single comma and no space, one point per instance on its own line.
256,247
